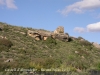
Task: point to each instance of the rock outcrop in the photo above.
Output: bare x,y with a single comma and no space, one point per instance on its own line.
34,34
59,34
96,45
60,29
43,35
62,37
39,35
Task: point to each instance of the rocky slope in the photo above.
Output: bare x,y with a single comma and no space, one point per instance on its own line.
37,48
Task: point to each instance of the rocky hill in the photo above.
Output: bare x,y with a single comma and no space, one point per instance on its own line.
37,48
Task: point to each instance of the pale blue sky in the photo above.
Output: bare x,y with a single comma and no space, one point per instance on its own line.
78,17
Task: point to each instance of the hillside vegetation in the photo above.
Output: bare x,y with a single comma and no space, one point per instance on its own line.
18,50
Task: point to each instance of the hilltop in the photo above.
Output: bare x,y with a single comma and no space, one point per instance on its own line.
20,50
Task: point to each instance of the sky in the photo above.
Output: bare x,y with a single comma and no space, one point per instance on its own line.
78,17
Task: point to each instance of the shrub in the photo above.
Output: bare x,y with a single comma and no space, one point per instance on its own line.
98,66
5,42
3,48
49,63
50,42
85,43
79,38
70,39
6,28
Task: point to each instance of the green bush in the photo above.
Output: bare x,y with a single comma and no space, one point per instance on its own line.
70,39
3,48
6,28
85,43
98,66
79,38
49,63
51,53
51,43
5,42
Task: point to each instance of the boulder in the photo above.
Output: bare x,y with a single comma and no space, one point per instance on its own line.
39,35
3,37
9,60
62,37
96,45
59,34
59,30
45,38
34,34
43,35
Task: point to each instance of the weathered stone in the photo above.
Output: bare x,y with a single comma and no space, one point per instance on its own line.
96,45
63,37
23,33
37,38
82,57
59,30
3,37
39,35
43,35
34,34
9,60
82,39
78,70
45,38
76,52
